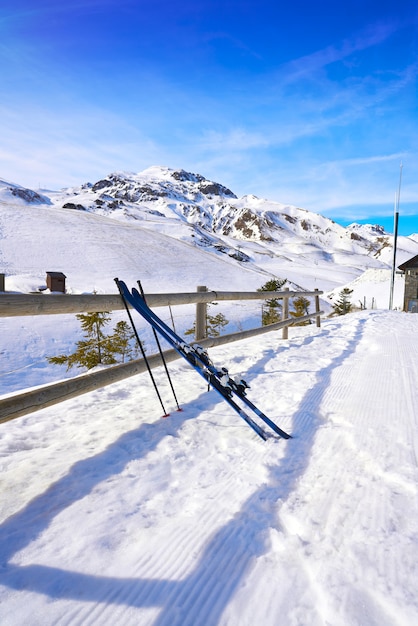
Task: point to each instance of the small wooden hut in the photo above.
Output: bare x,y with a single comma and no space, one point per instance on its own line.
410,270
55,281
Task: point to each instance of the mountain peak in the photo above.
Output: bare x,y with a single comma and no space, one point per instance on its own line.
202,184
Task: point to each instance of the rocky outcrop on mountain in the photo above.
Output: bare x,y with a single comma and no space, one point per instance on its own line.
372,237
74,207
16,192
28,195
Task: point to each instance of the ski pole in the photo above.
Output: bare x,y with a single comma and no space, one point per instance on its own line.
165,414
160,351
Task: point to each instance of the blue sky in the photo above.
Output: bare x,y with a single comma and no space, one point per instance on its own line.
308,103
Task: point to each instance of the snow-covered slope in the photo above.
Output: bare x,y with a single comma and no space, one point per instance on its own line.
371,290
111,515
91,250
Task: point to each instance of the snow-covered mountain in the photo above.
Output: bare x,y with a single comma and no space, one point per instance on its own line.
182,220
214,215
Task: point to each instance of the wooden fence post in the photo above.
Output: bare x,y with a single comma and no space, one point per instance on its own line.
2,282
285,332
201,312
317,309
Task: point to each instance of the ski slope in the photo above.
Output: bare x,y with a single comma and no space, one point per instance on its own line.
112,515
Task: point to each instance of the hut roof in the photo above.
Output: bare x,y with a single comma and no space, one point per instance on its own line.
411,263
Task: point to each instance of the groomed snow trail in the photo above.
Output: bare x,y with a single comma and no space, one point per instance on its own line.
111,515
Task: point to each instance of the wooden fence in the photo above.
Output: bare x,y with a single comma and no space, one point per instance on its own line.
16,305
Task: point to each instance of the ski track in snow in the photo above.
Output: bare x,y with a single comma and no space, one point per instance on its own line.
112,516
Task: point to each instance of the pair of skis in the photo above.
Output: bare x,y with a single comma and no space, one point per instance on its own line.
198,358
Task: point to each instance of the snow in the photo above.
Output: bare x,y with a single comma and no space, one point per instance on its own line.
111,514
372,289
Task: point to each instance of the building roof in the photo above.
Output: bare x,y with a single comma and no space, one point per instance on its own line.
56,274
412,263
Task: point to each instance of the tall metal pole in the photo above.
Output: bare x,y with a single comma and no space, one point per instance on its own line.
395,238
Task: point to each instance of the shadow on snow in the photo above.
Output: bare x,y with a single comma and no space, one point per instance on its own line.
202,596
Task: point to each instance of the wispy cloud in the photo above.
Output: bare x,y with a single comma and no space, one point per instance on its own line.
65,147
367,160
310,64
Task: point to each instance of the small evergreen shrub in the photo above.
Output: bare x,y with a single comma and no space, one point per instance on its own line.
97,348
271,309
343,304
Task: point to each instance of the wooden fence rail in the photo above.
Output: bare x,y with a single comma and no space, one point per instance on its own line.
23,403
17,305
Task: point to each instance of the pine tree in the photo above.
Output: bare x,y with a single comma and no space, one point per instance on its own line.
343,304
301,305
97,348
123,342
214,324
271,309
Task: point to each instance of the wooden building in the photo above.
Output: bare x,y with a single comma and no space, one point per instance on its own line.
410,270
55,281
